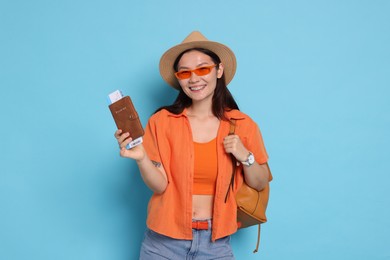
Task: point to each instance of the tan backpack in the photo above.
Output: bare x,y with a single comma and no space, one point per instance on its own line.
251,204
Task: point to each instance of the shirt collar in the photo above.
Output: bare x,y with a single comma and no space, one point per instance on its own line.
183,113
234,114
230,114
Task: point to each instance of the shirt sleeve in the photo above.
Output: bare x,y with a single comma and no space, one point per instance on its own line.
150,140
258,147
255,144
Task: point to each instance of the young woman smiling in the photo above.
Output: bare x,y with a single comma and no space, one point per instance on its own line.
185,156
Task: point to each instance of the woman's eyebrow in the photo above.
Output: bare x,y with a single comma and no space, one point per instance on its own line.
197,66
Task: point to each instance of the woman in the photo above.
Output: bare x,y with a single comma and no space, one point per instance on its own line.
185,157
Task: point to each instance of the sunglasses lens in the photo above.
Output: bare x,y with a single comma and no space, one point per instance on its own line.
185,74
202,71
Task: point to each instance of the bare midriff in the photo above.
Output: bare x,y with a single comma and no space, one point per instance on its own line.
202,206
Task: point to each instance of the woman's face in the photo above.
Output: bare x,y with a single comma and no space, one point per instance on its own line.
199,88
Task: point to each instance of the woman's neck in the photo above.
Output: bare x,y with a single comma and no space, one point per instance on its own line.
200,110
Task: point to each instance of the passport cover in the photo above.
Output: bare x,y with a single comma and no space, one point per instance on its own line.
126,117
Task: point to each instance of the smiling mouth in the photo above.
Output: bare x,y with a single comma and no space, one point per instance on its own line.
197,88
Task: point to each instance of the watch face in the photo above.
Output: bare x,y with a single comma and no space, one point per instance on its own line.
251,159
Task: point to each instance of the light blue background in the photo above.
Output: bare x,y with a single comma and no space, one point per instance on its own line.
313,74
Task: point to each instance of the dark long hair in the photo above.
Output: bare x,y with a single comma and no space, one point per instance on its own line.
222,98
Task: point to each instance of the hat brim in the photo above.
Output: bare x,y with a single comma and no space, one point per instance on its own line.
228,59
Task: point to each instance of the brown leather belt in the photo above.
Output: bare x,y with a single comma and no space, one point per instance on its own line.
201,225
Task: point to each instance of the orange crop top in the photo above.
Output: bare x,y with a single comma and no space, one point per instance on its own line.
205,167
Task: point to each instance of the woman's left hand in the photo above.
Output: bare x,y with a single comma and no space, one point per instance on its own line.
233,145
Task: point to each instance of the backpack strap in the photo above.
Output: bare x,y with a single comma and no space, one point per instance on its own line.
234,160
258,239
232,128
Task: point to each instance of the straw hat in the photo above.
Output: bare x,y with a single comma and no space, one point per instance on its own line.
196,40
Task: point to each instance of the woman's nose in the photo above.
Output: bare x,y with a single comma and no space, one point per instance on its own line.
194,78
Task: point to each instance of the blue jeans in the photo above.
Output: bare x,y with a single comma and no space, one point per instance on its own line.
156,246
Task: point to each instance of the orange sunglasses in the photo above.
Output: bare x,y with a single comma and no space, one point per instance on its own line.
201,71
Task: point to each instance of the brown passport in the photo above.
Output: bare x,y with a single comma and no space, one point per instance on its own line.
126,117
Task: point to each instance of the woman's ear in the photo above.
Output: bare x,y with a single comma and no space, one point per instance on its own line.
220,70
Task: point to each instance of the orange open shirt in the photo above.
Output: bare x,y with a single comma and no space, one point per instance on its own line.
168,139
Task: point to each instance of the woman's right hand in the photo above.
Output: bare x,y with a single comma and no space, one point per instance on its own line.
137,153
